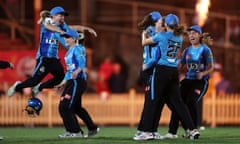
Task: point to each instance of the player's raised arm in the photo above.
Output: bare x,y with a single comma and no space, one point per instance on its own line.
83,28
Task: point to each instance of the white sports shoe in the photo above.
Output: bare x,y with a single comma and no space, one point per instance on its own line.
1,138
171,136
157,135
194,134
144,136
71,135
35,90
137,133
11,90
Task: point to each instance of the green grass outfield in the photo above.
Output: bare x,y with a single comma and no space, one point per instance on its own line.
113,135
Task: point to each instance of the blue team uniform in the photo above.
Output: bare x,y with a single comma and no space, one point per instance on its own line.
49,42
167,77
47,60
151,54
75,58
192,88
169,47
71,98
196,60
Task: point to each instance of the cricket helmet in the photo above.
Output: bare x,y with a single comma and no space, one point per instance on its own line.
35,104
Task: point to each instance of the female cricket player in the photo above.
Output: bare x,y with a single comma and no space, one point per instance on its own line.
75,84
147,128
198,59
47,56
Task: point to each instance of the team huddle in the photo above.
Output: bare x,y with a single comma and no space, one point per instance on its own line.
162,39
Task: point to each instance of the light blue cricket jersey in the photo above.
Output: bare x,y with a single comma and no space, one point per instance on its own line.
75,58
196,60
169,45
150,52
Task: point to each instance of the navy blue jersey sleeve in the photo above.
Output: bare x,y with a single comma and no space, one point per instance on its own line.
63,27
183,57
208,54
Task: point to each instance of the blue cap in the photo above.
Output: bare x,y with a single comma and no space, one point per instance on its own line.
195,28
171,20
71,33
58,10
155,15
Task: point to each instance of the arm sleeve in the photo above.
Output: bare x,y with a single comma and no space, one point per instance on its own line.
183,57
80,55
155,52
61,40
156,38
208,54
